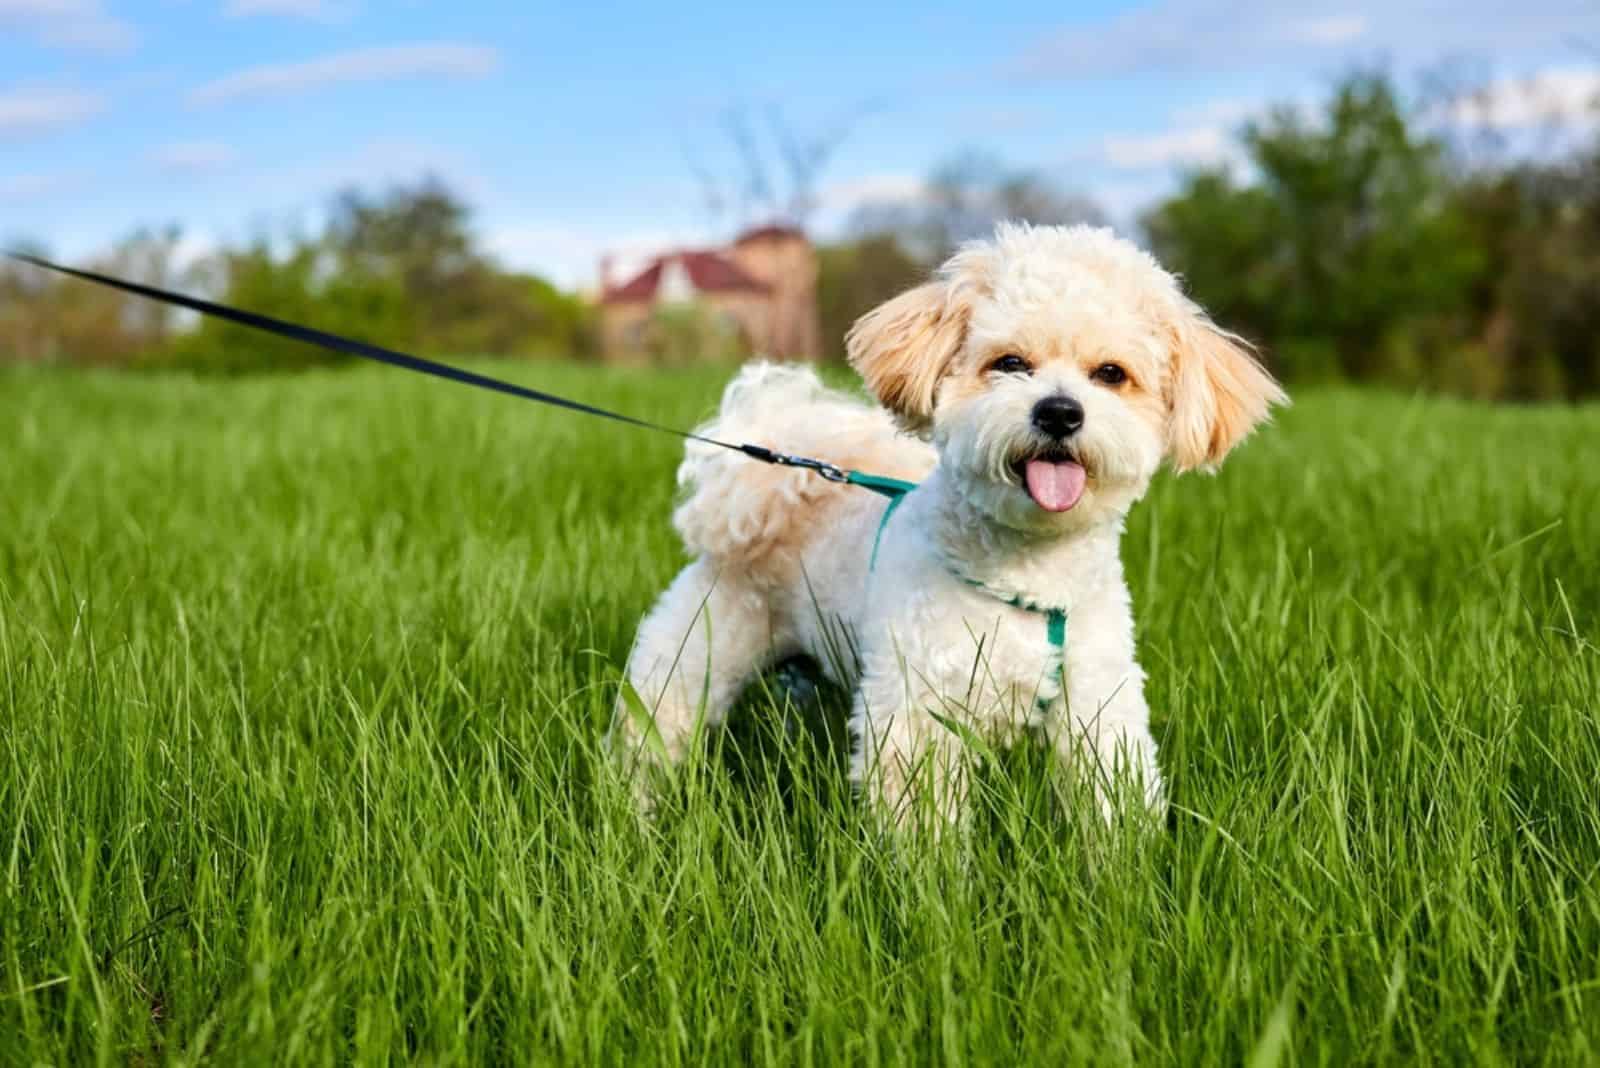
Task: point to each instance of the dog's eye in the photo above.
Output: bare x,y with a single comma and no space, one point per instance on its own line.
1110,374
1011,364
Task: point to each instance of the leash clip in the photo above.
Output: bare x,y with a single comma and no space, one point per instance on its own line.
831,472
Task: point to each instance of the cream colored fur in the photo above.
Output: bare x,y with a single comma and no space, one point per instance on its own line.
781,556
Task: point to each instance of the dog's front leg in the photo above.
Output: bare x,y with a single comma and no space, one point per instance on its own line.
908,766
1104,730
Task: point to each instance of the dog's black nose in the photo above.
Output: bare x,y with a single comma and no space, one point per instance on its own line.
1058,415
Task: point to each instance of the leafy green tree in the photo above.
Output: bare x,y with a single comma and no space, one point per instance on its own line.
1348,235
1222,237
292,286
45,318
399,268
1545,322
855,276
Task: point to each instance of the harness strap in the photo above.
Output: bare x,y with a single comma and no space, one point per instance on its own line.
1056,627
892,488
1055,619
1055,630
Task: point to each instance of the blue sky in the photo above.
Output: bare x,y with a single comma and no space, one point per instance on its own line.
571,127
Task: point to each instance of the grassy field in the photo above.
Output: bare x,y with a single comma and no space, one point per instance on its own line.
301,683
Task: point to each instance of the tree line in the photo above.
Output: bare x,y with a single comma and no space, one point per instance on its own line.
1360,240
400,268
1364,247
1357,240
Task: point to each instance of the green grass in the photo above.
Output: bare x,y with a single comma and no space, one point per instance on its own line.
301,684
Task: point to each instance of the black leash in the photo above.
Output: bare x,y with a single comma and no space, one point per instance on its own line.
350,347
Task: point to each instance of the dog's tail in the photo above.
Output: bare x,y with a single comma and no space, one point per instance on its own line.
744,513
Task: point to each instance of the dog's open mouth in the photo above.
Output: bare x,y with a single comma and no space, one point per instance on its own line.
1054,479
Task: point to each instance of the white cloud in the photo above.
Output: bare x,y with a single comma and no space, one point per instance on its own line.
1547,97
1204,134
188,157
382,162
1327,30
1181,35
846,196
80,25
315,10
838,204
31,201
15,187
1228,112
428,59
986,121
1125,200
1193,147
30,112
297,191
1200,135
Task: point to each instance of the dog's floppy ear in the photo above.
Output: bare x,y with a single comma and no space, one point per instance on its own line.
903,347
1218,392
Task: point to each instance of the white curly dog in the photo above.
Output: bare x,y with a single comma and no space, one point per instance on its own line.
1031,391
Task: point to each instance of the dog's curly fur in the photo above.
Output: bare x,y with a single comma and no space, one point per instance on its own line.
781,556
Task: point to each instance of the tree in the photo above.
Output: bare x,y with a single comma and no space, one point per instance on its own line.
1222,237
400,268
1541,224
855,276
48,319
415,235
1349,235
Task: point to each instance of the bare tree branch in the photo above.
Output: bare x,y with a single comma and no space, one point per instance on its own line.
758,190
807,156
714,196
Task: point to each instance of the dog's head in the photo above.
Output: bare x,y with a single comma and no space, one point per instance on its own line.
1054,368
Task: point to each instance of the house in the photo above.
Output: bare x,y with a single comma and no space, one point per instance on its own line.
762,287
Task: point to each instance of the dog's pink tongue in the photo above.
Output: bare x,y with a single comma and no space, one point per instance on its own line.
1055,487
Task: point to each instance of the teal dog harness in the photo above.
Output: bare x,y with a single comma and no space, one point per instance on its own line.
1055,625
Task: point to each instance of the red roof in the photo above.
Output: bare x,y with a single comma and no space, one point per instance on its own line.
709,272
